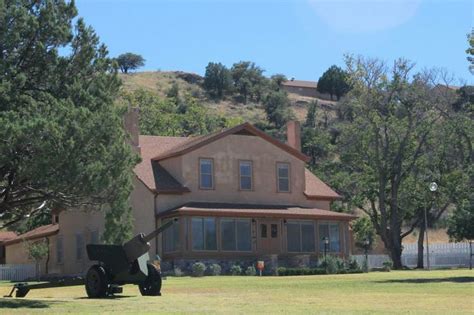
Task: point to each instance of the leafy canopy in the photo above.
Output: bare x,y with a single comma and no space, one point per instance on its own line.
130,61
63,143
334,82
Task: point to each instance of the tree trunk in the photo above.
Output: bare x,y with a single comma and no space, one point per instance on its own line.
396,255
421,239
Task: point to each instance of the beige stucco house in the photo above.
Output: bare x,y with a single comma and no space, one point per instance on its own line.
239,195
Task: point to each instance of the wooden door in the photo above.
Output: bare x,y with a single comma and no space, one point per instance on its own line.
269,237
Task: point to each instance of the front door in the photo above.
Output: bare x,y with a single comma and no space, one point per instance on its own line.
269,232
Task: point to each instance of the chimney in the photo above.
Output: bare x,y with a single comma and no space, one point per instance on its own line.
132,128
293,134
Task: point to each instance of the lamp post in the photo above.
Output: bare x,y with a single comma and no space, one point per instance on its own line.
433,189
366,251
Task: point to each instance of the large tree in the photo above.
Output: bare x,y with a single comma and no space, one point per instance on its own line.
334,82
130,61
217,80
249,81
394,118
62,139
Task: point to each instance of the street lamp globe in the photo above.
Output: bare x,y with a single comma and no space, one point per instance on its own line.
433,187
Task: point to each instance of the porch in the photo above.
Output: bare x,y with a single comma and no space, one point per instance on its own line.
244,232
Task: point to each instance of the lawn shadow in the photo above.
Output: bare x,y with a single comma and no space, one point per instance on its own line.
430,280
20,303
110,297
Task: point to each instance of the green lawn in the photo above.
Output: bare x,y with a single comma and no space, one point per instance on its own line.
429,292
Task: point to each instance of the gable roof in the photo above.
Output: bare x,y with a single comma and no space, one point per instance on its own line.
317,189
42,231
201,141
301,83
153,175
155,148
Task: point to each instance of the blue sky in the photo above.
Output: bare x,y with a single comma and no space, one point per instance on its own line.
299,38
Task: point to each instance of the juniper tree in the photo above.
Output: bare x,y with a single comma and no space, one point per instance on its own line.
62,142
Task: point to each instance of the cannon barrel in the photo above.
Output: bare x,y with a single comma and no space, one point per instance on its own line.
140,245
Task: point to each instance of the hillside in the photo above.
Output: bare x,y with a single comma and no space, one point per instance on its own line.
160,82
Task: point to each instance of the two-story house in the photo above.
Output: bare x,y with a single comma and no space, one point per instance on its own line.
239,196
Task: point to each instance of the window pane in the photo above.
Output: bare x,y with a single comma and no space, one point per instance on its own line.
245,169
245,183
323,232
283,170
244,235
228,234
283,184
210,230
197,233
307,237
334,238
206,166
59,249
206,181
263,230
171,238
293,237
274,230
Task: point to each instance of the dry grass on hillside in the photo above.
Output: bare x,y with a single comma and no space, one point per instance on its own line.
160,82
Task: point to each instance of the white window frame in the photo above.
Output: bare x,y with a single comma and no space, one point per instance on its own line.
211,174
244,162
278,165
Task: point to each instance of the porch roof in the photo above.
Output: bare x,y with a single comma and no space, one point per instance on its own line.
256,211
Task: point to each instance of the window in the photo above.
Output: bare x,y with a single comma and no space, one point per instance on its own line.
95,237
300,236
263,230
331,231
59,250
245,172
274,230
204,233
283,177
206,173
79,246
236,235
171,237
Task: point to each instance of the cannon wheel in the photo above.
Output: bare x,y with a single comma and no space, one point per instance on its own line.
96,282
152,285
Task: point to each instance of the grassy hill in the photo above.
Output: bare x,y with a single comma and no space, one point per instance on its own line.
160,82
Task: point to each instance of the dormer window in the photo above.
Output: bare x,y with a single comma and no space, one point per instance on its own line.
206,174
283,177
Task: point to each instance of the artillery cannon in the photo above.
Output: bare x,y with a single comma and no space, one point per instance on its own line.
124,264
117,265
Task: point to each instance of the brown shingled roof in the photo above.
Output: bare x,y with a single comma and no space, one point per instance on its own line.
150,172
7,235
301,83
317,189
42,231
261,211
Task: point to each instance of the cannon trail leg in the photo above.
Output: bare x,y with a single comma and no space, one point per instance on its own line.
152,285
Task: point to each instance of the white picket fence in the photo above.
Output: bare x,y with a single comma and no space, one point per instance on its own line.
17,272
441,255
